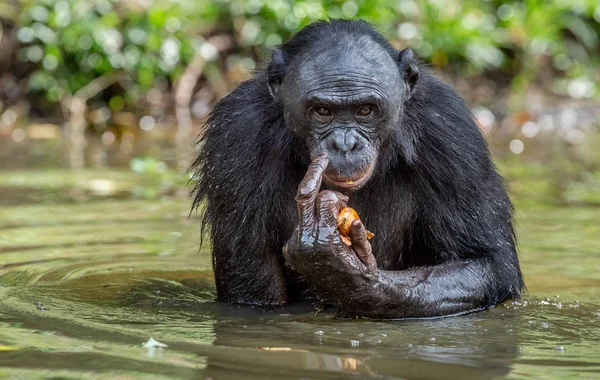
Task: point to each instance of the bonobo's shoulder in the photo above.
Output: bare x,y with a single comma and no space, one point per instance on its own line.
243,110
434,90
251,92
435,100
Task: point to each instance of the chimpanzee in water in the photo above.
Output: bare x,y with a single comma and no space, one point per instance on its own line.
340,118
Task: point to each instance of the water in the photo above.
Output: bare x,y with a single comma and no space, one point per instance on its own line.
89,273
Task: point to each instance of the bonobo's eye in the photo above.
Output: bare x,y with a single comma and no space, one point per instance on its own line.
323,114
364,112
323,111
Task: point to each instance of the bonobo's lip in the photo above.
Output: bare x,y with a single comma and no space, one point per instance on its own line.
350,183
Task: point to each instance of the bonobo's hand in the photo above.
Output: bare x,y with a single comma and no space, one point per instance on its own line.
315,249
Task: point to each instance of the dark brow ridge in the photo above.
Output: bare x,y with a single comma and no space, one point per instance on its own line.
345,73
342,78
377,95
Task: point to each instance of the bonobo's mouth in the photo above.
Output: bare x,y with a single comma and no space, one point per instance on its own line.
353,182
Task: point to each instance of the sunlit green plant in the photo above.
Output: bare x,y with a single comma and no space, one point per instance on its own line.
71,42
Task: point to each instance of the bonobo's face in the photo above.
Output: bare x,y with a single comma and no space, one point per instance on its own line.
344,97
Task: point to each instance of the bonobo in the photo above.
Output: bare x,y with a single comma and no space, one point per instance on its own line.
340,118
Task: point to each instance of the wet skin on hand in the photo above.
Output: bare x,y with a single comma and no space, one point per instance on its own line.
316,241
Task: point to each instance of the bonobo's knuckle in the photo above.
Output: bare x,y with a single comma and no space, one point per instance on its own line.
328,196
304,193
328,201
342,197
304,246
301,242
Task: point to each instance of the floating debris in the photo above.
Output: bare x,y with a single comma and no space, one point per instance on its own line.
153,343
276,349
8,348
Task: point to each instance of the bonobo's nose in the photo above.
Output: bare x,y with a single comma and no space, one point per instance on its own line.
344,140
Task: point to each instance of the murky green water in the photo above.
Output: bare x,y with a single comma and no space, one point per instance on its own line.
86,279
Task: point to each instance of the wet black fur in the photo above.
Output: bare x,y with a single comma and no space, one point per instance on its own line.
435,196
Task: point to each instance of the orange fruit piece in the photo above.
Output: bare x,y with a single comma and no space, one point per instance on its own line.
345,218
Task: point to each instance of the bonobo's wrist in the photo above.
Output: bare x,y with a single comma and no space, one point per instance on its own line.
379,295
358,290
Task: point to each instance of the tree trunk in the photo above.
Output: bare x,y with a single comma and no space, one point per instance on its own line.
184,137
75,108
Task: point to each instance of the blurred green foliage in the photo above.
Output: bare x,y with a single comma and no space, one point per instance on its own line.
70,42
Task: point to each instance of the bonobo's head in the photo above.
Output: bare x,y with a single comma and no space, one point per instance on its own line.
344,95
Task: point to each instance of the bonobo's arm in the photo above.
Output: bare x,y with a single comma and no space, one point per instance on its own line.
246,278
445,289
347,276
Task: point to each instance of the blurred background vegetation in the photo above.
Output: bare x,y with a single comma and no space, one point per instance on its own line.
101,83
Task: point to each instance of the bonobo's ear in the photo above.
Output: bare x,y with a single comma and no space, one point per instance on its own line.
276,71
409,70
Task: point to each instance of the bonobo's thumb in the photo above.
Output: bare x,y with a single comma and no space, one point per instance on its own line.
360,244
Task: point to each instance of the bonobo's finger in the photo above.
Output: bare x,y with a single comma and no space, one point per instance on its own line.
360,244
328,205
309,188
343,197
